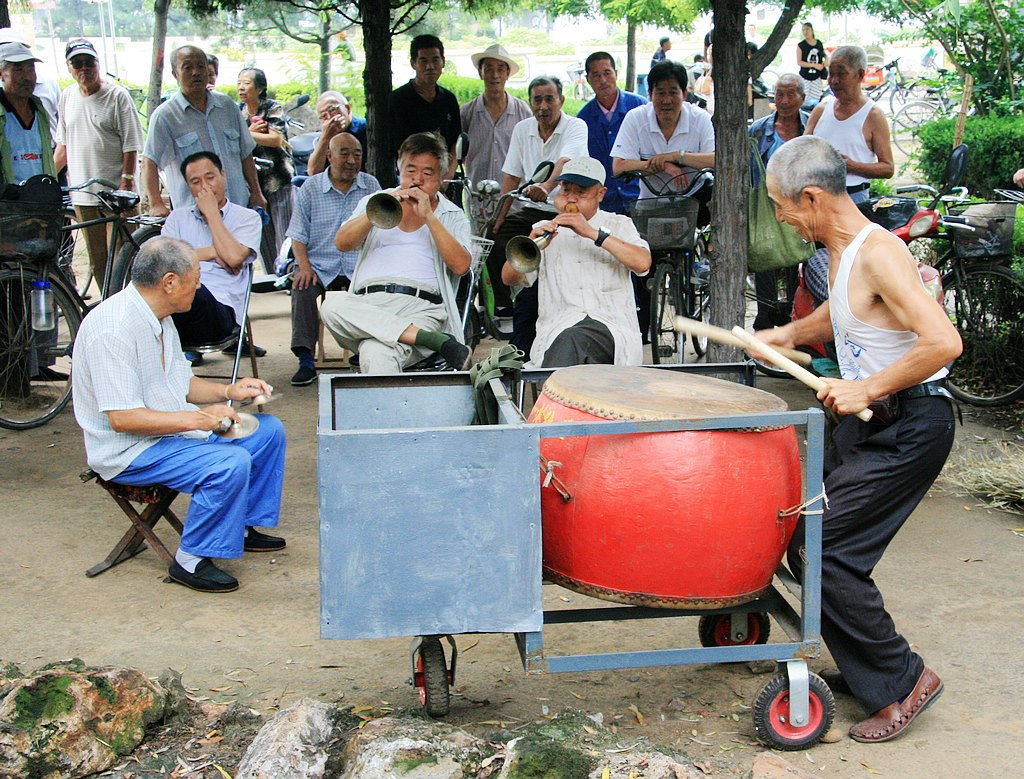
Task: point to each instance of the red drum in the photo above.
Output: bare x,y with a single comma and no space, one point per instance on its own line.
673,520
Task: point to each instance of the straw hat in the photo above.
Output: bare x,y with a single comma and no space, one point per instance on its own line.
495,52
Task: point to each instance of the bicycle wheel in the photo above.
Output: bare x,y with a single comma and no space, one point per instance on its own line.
908,120
986,305
902,94
35,367
666,304
701,296
122,272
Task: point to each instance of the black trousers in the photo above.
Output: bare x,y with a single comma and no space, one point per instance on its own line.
771,311
517,224
524,319
208,321
875,476
588,342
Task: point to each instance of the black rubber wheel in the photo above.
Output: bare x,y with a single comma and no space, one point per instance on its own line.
35,367
666,304
986,305
716,630
435,694
122,272
771,714
701,299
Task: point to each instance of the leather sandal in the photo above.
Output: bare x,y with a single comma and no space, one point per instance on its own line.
893,720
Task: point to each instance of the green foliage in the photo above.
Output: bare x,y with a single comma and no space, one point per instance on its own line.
995,142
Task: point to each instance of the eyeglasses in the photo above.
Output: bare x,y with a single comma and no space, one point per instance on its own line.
83,63
329,111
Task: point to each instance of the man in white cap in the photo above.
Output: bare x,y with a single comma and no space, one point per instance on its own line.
489,118
26,146
98,136
585,292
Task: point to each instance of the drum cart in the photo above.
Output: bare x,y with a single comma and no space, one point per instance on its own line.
430,527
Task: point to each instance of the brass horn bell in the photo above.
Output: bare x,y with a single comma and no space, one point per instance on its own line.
523,253
384,210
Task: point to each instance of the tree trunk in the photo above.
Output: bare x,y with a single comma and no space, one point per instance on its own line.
376,18
5,14
156,75
732,173
630,56
325,52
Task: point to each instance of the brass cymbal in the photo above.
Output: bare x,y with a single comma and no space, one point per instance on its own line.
246,425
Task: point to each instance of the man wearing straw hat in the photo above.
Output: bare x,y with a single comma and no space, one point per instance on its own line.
893,344
489,118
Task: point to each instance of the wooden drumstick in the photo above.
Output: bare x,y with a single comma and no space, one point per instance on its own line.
723,336
816,383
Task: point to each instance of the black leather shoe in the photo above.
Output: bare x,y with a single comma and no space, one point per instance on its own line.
303,376
457,355
835,681
207,578
259,351
255,541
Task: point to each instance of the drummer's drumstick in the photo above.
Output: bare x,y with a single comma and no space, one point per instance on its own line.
225,422
723,336
780,360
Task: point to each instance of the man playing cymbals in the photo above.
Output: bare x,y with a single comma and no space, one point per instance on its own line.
587,310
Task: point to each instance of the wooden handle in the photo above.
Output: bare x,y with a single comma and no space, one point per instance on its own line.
797,372
723,336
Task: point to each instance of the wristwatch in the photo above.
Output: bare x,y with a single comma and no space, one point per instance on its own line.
602,235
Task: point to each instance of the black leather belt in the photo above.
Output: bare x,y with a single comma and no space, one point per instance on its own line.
857,188
401,289
925,390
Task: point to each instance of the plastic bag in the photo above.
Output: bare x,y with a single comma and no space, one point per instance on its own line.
771,244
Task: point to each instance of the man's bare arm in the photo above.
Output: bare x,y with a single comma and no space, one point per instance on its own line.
880,142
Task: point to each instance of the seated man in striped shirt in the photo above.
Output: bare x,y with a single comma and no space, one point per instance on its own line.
226,238
139,407
401,306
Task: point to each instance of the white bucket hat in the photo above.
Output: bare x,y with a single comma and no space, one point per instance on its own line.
495,52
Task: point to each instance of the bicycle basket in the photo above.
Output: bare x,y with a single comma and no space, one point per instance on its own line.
31,215
993,231
667,222
480,248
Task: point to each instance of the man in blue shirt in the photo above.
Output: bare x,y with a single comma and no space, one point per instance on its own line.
195,120
323,203
335,114
603,116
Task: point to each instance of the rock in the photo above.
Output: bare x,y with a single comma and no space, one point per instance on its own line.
175,698
769,765
762,666
414,749
69,720
649,765
292,744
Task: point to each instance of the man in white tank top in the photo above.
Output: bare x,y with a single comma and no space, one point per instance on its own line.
894,343
400,306
853,124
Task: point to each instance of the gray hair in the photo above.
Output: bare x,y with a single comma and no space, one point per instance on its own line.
854,56
335,94
159,257
791,79
541,81
807,161
425,143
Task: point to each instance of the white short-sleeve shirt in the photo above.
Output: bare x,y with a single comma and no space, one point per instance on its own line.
640,138
527,150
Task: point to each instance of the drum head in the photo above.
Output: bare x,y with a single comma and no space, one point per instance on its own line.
617,392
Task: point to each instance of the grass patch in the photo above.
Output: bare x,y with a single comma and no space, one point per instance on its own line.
996,476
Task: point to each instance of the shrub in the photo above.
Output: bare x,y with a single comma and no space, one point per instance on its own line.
996,151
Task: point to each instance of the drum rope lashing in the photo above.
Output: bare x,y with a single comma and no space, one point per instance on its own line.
547,467
802,508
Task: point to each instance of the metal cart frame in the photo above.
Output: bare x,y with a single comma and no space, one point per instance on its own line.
498,589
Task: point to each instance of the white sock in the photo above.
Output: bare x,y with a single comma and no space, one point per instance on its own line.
186,560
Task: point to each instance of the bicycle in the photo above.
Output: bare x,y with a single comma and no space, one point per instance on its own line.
898,88
677,234
937,103
578,79
35,366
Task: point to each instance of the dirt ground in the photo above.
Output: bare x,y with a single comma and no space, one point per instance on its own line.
952,578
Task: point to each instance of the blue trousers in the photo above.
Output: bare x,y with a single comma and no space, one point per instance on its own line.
233,483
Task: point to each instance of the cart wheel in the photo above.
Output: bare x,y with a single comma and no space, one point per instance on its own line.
432,677
716,630
771,714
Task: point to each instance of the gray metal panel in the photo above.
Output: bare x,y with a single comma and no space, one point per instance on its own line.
429,531
426,400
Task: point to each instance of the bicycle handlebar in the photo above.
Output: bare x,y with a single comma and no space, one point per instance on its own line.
102,182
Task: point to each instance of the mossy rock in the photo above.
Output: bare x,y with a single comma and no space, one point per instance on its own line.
541,757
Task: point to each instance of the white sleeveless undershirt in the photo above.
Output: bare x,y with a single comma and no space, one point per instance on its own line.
847,135
864,350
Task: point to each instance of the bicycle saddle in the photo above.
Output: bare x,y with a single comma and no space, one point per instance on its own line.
118,200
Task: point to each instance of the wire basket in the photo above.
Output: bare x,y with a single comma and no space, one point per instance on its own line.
29,231
992,237
667,222
480,249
